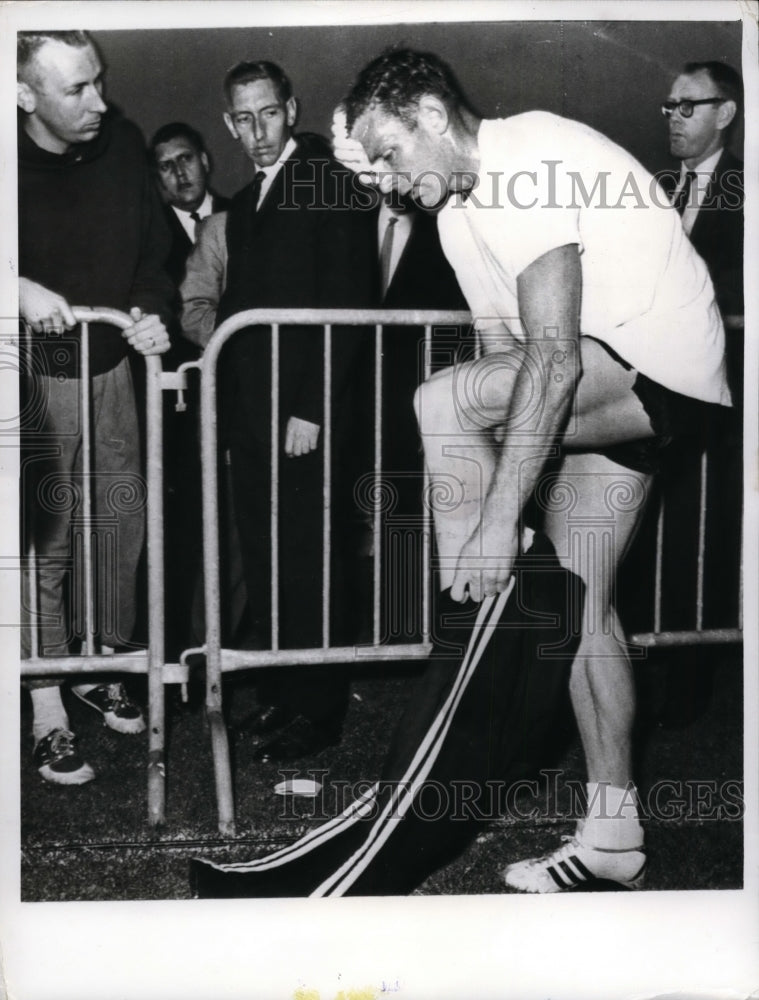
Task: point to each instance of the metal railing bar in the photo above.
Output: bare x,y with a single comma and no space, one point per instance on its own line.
377,497
274,486
701,542
327,487
241,659
658,566
84,416
692,637
426,512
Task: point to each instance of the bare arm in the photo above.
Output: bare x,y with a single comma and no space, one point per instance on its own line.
549,292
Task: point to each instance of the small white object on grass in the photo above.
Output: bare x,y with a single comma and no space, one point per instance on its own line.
298,786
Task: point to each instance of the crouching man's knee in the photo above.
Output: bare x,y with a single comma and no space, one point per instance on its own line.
434,404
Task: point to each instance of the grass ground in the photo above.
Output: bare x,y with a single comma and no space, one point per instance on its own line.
93,842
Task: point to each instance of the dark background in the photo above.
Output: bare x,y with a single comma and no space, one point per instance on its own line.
612,75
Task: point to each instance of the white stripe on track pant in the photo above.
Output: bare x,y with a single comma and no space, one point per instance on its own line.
475,723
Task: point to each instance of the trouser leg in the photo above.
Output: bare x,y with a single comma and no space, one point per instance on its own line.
120,495
318,692
51,498
476,723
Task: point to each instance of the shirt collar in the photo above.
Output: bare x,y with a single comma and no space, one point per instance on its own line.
204,209
271,172
703,170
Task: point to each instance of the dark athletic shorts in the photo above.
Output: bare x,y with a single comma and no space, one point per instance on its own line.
672,416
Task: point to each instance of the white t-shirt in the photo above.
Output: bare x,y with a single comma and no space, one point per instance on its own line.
546,181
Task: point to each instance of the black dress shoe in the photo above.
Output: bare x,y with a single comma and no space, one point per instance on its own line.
300,738
265,721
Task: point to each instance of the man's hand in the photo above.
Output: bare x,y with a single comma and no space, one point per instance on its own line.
43,310
301,437
147,335
486,561
349,151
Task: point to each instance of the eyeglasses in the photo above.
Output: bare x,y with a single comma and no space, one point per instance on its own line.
686,107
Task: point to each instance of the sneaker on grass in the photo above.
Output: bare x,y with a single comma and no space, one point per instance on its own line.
574,864
114,704
58,761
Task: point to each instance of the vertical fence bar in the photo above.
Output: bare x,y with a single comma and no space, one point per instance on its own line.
740,570
426,513
327,487
85,403
658,566
209,453
156,592
274,486
31,558
34,608
701,543
377,513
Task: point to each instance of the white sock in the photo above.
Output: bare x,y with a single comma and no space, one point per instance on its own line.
612,819
48,711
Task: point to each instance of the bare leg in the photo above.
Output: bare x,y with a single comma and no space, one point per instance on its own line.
457,410
461,415
591,538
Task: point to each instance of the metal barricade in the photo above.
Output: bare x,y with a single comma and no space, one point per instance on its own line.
151,662
659,637
220,660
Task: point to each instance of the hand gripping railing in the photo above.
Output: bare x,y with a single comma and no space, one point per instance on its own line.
152,662
218,659
223,660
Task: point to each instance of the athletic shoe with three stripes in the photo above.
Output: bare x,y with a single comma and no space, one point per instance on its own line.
574,864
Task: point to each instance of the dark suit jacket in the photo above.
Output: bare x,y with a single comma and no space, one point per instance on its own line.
299,250
423,279
181,244
717,233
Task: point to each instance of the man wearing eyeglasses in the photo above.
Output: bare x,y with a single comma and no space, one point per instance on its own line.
702,111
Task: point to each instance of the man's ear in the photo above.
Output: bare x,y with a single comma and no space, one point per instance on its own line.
25,97
291,109
231,125
433,114
206,162
726,113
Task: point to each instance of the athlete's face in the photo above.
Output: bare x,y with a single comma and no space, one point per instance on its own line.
183,173
415,161
260,120
62,93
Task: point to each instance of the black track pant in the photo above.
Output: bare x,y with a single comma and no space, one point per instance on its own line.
478,721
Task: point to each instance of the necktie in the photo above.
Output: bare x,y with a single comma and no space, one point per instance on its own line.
256,193
196,219
386,253
683,195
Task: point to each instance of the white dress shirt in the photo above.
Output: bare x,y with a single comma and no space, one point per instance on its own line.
185,218
704,172
271,172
